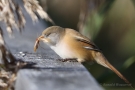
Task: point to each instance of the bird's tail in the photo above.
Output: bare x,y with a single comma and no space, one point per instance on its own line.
100,59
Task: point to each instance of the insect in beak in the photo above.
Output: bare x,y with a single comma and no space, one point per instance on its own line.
37,42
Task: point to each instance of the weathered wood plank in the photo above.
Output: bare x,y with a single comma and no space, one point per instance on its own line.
54,75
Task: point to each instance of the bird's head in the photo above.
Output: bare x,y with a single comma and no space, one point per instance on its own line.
51,36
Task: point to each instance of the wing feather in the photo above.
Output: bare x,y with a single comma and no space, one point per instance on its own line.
91,46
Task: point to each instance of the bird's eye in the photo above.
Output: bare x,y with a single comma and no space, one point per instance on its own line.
46,35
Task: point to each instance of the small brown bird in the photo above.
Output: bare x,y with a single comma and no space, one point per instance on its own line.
68,44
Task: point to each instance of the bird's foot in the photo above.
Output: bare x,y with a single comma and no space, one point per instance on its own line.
68,60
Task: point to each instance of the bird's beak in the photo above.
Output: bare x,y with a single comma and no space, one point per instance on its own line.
41,38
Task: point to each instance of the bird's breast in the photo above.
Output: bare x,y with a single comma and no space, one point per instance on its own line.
63,50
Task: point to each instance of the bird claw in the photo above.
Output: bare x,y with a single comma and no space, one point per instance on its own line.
68,60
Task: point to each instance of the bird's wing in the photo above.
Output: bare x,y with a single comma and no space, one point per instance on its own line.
91,45
99,57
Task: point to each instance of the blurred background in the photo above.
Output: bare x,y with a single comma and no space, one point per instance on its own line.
109,23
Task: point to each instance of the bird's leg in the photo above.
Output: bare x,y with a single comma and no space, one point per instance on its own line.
68,60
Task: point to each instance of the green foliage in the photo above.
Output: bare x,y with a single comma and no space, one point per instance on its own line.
129,62
112,27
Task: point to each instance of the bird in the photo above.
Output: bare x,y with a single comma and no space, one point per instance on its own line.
69,44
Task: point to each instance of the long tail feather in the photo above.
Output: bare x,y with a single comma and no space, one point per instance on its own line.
100,59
